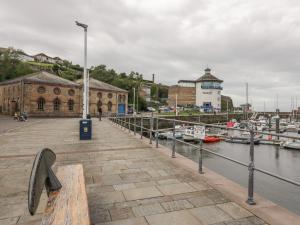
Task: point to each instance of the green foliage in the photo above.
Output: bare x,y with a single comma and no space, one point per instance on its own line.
11,67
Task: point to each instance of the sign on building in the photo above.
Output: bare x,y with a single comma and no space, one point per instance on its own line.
199,132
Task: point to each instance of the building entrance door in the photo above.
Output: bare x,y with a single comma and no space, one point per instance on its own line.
121,109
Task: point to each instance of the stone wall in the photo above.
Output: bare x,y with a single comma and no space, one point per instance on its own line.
185,95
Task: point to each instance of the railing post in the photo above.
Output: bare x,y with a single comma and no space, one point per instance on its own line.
250,199
134,125
156,133
200,169
174,140
142,123
151,129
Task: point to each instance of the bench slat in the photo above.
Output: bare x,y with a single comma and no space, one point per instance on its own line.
69,205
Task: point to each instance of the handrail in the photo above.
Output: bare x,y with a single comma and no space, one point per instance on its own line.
122,121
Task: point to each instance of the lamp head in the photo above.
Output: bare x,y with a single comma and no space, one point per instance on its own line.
81,25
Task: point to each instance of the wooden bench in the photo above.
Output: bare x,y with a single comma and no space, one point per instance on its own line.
69,205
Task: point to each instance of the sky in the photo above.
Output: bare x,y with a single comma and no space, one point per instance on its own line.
240,40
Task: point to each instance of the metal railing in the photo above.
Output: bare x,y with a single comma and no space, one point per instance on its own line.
125,122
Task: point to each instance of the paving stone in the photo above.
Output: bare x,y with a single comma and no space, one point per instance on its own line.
9,221
93,188
99,215
107,197
173,189
246,221
141,193
173,218
131,221
120,213
145,184
145,210
234,210
134,176
160,199
199,186
176,205
210,214
201,201
216,196
110,179
121,187
168,181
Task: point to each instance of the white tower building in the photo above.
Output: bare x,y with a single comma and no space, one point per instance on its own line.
208,92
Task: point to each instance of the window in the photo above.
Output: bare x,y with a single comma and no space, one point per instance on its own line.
41,104
109,95
56,91
56,104
41,90
120,99
71,92
99,94
71,104
109,106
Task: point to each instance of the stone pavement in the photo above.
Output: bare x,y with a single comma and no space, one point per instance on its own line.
128,182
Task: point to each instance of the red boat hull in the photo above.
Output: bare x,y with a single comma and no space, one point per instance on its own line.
208,139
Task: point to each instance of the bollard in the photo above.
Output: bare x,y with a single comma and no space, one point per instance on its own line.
200,157
174,140
134,125
250,199
151,129
141,127
156,133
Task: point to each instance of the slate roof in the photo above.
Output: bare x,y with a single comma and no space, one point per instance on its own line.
208,77
101,85
41,77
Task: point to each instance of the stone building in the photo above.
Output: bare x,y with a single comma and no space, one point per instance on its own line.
205,92
47,95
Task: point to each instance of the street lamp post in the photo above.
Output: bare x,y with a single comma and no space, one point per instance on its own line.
84,103
85,129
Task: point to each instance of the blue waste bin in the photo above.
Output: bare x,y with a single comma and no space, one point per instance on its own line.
85,130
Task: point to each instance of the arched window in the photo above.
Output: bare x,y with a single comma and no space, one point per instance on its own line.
56,104
109,106
41,104
71,104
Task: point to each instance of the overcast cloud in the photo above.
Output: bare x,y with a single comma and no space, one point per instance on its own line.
241,41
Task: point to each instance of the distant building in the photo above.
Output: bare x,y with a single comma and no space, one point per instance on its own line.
58,60
208,92
41,57
204,92
246,107
47,95
145,92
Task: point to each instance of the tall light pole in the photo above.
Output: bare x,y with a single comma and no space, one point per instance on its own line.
88,93
84,105
85,128
133,100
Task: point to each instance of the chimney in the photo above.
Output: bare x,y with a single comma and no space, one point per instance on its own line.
153,76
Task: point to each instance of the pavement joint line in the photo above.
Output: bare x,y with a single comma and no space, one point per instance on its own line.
75,152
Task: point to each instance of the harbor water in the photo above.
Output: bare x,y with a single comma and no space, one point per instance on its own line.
271,158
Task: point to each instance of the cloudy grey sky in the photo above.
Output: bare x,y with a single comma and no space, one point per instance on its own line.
242,41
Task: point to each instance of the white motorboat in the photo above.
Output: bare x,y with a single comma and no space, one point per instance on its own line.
188,134
292,144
